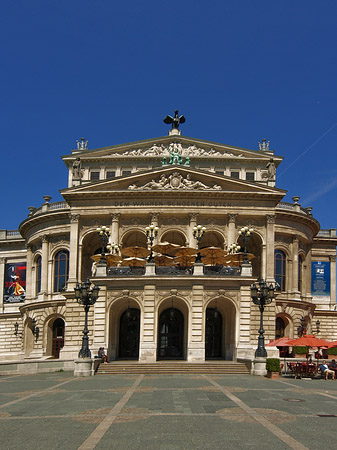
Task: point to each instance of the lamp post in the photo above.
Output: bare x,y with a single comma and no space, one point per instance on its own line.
245,232
103,234
198,233
151,234
262,295
318,323
86,297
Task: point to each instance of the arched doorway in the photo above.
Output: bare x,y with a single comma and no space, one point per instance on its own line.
129,327
213,334
279,327
171,334
58,337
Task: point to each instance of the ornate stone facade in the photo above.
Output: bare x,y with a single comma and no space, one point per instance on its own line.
153,312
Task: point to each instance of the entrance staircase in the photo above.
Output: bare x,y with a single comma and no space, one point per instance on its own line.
173,367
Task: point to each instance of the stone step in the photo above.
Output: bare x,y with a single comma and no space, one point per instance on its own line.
230,368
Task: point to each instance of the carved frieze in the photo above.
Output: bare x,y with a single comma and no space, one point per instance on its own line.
174,182
177,147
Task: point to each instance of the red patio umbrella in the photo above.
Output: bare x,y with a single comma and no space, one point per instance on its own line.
332,344
280,342
309,340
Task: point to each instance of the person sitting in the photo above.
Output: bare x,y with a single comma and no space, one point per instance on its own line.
102,354
333,366
326,371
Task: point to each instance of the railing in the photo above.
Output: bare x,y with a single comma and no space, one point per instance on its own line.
327,233
125,271
292,207
170,271
10,234
222,271
58,205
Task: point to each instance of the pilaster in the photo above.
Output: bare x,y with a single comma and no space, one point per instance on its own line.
192,223
231,229
115,228
148,341
196,341
270,243
2,283
73,254
332,281
29,264
44,265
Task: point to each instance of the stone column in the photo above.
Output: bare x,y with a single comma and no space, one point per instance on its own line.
29,277
332,281
44,265
294,288
154,221
115,228
196,341
73,254
100,337
308,274
2,282
270,244
263,261
231,238
148,336
244,342
192,223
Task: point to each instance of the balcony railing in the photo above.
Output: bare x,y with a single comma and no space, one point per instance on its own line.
164,271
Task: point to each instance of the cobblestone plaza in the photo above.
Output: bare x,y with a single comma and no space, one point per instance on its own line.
53,411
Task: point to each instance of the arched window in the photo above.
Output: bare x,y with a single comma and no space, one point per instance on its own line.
38,274
280,269
61,270
300,267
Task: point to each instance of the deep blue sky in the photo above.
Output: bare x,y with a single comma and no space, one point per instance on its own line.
110,71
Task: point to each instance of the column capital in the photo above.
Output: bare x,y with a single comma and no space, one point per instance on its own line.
270,218
333,258
115,217
74,218
3,260
193,217
232,218
154,217
45,238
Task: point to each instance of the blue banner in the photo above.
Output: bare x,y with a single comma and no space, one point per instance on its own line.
320,278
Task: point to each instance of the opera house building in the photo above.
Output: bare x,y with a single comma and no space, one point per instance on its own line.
174,231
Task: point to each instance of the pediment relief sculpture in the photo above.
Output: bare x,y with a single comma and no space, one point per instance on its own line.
174,147
173,182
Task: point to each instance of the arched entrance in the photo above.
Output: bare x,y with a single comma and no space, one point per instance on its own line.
171,334
129,324
279,327
58,337
213,334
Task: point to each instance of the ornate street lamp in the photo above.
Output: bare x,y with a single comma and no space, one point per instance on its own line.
113,249
35,329
233,248
198,233
151,234
302,329
262,295
86,297
103,234
245,232
16,330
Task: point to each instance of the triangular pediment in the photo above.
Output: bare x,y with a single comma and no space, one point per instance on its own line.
163,147
172,180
